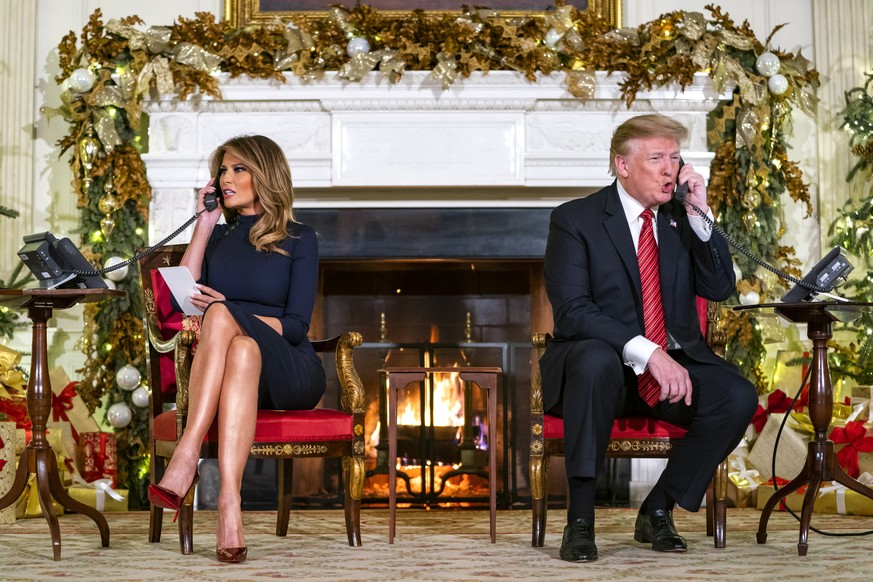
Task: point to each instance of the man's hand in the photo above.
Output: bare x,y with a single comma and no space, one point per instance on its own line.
696,188
671,377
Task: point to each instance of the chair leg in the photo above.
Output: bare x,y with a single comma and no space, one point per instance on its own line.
539,480
353,476
156,514
719,509
285,470
186,529
186,524
710,510
156,519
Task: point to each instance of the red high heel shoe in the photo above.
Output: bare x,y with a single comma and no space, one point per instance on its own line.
163,497
232,555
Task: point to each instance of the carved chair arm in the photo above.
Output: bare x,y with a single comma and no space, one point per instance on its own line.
351,387
538,340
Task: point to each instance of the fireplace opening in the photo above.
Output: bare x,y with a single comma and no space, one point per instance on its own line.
426,313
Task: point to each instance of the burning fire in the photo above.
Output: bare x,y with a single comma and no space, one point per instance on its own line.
447,403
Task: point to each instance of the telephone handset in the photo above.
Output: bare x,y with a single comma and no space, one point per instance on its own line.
210,202
831,271
210,199
681,191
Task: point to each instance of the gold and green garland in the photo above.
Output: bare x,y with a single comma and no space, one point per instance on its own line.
118,64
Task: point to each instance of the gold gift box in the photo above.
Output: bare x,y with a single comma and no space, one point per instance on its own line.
88,496
828,502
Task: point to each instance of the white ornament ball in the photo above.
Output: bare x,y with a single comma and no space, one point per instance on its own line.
777,84
737,272
81,80
110,284
119,415
140,397
127,377
768,64
357,45
117,274
552,37
750,298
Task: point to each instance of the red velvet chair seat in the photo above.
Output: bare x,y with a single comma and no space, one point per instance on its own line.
276,426
631,427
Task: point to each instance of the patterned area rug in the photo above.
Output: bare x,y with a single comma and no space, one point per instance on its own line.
432,545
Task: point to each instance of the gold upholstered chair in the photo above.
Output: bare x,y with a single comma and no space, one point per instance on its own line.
280,435
634,437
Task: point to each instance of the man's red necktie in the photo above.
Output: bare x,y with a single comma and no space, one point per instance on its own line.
653,308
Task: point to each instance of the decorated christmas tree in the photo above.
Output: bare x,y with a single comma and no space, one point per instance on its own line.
852,231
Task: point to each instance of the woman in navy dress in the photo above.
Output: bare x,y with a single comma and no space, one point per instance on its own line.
257,278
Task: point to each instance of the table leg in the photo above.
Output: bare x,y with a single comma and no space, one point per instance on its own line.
801,479
396,381
19,483
488,382
45,498
60,494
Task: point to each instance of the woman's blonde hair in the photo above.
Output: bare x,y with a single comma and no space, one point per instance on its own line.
643,126
271,184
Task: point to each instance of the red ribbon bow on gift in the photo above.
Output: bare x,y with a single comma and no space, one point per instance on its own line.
854,435
63,402
16,411
777,401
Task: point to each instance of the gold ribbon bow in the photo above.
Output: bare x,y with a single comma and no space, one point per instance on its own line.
10,376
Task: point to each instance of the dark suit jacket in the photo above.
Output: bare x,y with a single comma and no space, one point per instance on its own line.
593,280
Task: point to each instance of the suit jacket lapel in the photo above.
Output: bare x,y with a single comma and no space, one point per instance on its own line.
619,233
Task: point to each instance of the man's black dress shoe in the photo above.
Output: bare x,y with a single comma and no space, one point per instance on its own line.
578,543
657,528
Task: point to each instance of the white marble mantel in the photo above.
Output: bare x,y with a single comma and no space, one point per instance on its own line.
497,138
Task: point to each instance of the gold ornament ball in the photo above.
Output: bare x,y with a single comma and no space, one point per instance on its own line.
107,204
749,219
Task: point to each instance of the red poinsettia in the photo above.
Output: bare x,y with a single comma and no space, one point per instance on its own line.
854,435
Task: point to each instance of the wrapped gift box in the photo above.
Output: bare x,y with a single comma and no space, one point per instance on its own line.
831,498
791,455
68,406
28,504
853,443
742,482
98,456
99,498
7,467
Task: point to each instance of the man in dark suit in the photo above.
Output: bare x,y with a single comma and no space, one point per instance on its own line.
607,358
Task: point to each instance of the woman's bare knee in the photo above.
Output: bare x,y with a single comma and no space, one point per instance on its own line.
245,351
219,321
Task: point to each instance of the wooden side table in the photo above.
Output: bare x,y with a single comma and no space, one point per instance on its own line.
821,464
38,458
399,378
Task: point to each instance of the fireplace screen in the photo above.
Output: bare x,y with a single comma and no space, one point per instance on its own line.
443,436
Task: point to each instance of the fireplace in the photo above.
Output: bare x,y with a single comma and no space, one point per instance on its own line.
438,287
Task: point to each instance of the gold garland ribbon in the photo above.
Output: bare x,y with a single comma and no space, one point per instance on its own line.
190,54
446,70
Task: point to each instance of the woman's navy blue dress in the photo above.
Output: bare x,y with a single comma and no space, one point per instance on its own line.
273,285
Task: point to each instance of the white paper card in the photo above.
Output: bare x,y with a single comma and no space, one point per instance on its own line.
182,286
